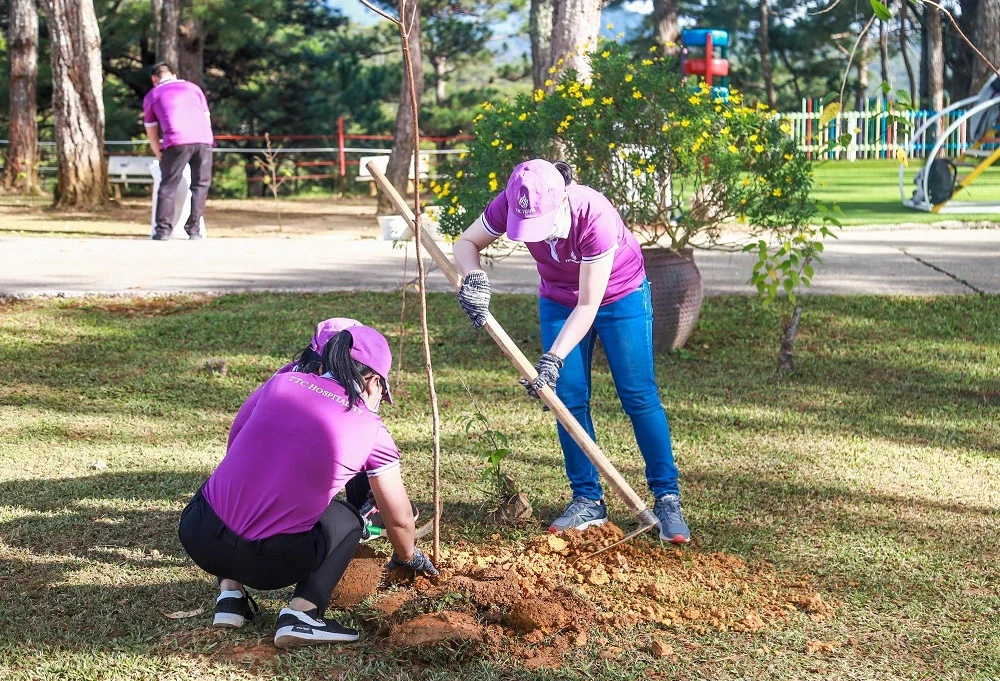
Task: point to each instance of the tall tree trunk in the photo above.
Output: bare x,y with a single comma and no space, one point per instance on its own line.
575,24
540,30
191,51
904,49
883,50
765,54
167,45
987,39
440,83
666,32
935,58
862,56
21,168
398,169
958,58
77,103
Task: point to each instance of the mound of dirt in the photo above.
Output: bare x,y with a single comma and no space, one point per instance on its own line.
364,573
550,591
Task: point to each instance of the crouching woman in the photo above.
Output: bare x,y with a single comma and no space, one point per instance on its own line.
267,517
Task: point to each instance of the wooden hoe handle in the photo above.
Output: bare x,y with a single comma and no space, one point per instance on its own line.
524,367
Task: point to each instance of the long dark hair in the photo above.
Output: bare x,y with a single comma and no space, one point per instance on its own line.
337,360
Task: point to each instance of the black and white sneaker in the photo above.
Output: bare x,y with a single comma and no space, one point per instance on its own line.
297,628
233,609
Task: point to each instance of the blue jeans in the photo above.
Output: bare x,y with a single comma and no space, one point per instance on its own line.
625,328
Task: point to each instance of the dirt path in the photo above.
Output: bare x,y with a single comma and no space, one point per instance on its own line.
224,218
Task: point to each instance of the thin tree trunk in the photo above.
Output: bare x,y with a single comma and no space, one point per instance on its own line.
666,32
883,50
575,24
785,358
861,92
397,170
765,54
77,103
540,30
21,168
191,51
904,49
440,83
987,39
935,58
167,45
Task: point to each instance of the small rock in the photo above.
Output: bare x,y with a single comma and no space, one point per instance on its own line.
556,543
660,649
99,465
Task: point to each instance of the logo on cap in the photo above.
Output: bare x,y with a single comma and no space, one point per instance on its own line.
523,203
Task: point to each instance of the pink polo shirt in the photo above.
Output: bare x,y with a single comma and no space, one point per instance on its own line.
292,448
180,109
596,231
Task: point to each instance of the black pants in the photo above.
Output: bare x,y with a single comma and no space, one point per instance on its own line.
172,162
314,561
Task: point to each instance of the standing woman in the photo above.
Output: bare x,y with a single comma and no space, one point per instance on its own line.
267,517
593,285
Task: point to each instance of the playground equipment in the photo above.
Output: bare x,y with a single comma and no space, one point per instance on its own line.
713,69
939,180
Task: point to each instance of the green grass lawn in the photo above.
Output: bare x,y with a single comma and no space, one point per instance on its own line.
873,472
868,193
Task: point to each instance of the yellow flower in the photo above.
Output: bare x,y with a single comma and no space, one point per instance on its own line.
454,199
776,192
548,82
665,126
752,138
493,176
636,94
590,159
733,149
493,185
650,168
495,143
637,172
746,181
696,146
459,174
653,48
727,114
523,117
647,62
785,128
628,77
539,95
605,54
611,27
487,106
589,101
685,123
758,148
452,210
509,146
477,118
461,157
611,145
706,120
552,70
559,61
743,201
718,108
694,99
670,43
705,134
762,106
788,157
724,131
607,100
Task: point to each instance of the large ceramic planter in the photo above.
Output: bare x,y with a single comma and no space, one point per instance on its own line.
676,292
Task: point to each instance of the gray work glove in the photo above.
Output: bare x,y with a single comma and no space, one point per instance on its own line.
474,297
548,373
419,563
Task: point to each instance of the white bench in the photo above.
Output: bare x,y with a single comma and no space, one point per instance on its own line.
129,170
382,162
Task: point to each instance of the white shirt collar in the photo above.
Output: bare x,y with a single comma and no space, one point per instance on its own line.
168,79
564,220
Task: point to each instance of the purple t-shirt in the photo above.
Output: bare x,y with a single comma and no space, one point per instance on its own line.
292,447
180,109
596,231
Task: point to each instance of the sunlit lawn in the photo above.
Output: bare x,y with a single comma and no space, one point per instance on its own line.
875,469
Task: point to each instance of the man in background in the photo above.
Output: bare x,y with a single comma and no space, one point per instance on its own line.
177,110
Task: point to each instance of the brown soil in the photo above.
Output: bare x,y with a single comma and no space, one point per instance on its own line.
352,216
437,628
541,599
361,579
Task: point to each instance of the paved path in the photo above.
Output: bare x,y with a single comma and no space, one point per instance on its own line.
902,261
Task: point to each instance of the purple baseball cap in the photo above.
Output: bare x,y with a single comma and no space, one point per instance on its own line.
372,349
533,192
327,329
